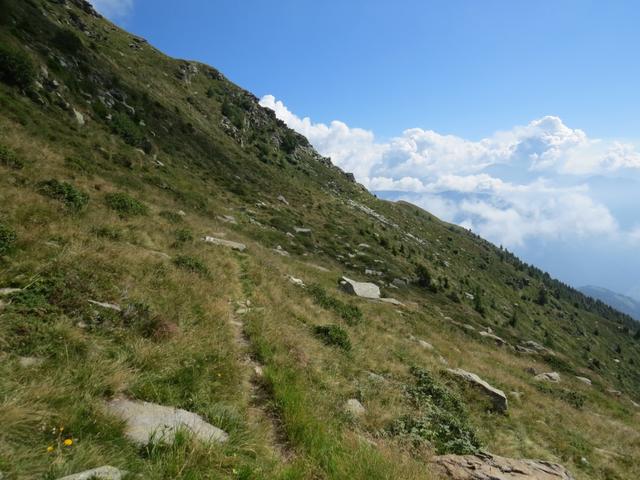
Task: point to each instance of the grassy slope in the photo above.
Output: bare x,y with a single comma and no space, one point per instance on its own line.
178,346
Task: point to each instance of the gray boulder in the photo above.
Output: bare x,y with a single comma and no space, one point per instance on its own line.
360,289
497,396
146,422
354,407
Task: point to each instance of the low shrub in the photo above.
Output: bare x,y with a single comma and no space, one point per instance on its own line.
191,264
107,232
348,312
441,418
333,335
9,158
125,204
183,235
8,238
16,68
172,217
127,129
64,192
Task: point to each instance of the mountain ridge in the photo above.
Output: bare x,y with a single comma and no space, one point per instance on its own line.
623,303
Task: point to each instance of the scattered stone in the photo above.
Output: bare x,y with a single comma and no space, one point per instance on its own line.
584,380
496,395
376,377
280,251
228,219
241,247
522,349
257,370
548,377
283,200
424,344
146,422
635,404
363,245
79,117
296,281
354,407
485,466
27,362
392,301
242,310
360,289
318,267
9,291
108,306
537,347
470,296
101,473
614,392
398,282
182,213
516,395
494,337
301,230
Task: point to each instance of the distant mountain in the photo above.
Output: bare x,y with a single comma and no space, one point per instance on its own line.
618,301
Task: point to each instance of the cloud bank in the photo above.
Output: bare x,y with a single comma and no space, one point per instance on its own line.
540,180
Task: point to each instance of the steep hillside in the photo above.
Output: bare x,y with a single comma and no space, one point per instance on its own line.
165,239
618,301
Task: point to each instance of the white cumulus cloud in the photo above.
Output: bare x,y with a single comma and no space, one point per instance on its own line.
509,187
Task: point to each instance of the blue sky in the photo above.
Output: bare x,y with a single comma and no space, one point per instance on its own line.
516,119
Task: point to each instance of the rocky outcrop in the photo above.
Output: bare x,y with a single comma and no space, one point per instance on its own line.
494,337
497,396
146,422
486,466
360,289
241,247
100,473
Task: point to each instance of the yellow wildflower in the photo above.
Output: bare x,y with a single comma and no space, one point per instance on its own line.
50,448
68,442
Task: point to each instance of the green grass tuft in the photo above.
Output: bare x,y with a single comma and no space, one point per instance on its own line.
125,205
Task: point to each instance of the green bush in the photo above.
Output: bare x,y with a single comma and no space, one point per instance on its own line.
125,205
442,420
184,235
8,238
348,312
191,264
172,217
64,192
16,68
9,158
333,335
127,129
67,41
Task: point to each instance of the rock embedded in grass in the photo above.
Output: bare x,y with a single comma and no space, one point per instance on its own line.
101,473
241,247
354,407
360,289
147,422
497,396
486,466
548,377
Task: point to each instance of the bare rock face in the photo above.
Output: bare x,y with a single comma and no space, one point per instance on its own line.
492,467
496,395
360,289
553,377
146,422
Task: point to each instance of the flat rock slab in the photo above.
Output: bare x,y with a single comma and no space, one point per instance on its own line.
100,473
584,380
493,467
148,421
493,337
392,301
241,247
496,395
360,289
